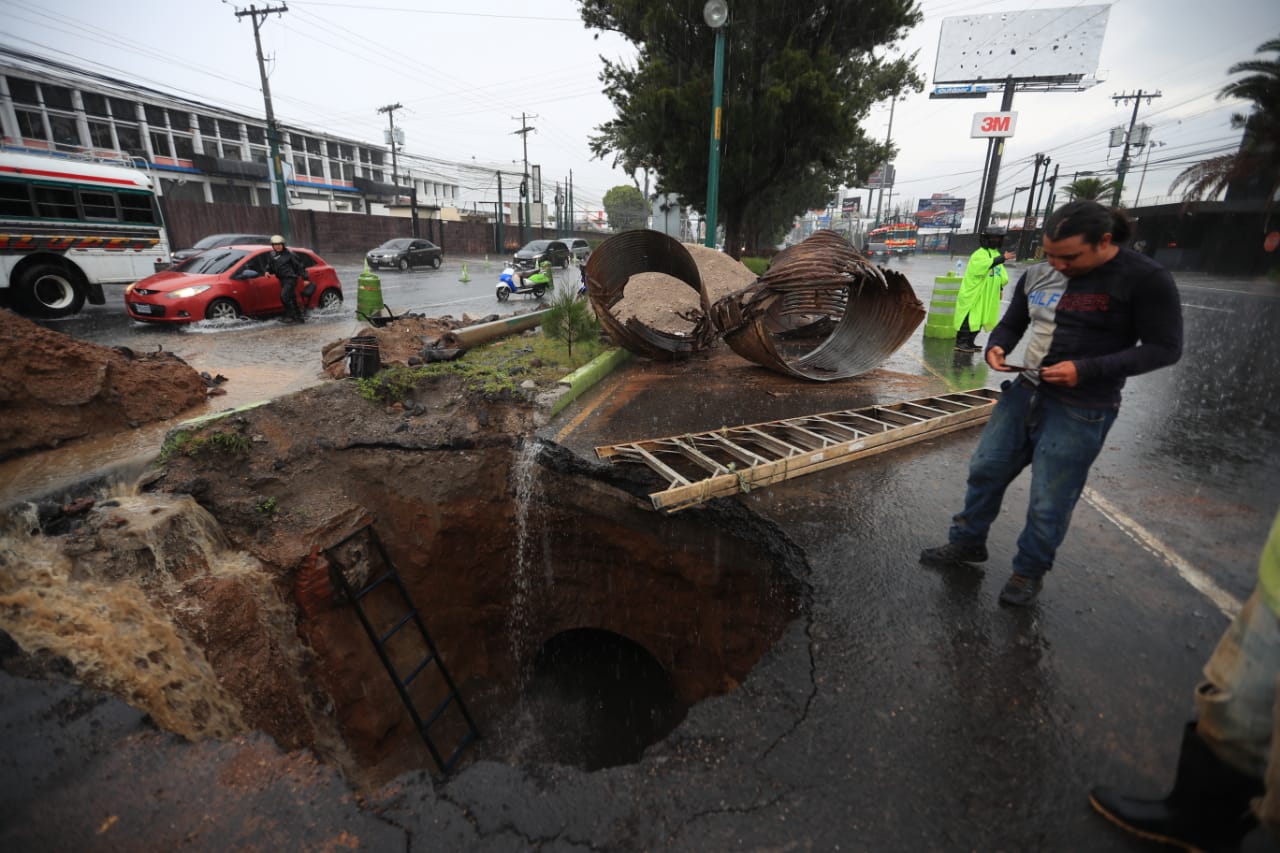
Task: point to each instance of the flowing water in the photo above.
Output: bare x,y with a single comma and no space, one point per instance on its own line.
527,491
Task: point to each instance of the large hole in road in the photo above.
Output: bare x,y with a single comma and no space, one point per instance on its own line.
578,625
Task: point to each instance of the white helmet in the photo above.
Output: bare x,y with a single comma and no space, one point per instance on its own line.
276,238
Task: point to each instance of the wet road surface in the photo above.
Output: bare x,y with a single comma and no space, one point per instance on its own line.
906,710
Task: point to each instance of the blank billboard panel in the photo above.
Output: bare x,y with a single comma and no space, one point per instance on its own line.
1036,44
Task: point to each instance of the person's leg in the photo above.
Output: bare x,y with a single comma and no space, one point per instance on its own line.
1067,439
1225,754
1003,451
289,298
965,335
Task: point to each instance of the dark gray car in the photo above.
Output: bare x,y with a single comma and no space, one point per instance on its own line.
537,251
213,241
403,253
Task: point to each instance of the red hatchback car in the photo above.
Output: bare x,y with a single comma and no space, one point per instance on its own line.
225,283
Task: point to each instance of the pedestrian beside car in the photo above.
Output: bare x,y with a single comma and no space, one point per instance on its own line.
285,266
1094,313
1228,775
978,302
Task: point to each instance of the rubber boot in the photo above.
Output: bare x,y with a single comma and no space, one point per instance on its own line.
1208,808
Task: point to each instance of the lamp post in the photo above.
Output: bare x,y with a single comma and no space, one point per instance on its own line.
1145,164
1011,201
716,14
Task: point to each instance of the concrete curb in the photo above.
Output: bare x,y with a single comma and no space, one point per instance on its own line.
573,385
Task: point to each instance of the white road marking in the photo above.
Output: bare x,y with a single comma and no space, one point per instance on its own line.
1207,308
1198,580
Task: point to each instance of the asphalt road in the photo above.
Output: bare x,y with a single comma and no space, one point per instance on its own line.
905,710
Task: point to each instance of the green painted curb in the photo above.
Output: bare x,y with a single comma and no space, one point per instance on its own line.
213,416
587,375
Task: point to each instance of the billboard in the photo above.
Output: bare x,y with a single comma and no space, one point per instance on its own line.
1035,44
877,180
851,206
939,212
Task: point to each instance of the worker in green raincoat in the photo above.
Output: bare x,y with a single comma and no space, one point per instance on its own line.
978,302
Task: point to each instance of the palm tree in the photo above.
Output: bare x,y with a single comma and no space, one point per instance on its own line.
1259,153
1089,189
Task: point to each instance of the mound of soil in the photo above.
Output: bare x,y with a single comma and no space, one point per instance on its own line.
54,387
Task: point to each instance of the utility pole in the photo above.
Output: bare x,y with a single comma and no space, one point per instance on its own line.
502,237
1150,144
995,150
1124,158
884,170
390,110
273,132
524,184
1053,183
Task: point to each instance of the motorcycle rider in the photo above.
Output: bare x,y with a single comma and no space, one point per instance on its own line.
285,266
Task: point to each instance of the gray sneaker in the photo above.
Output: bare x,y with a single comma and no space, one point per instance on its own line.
1020,590
955,552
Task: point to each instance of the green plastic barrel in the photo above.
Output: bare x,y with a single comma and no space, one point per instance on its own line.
942,307
369,294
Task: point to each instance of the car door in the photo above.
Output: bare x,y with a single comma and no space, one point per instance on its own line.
262,292
558,253
418,253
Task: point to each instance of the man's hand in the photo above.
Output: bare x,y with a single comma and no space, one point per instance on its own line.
1009,256
995,358
1062,373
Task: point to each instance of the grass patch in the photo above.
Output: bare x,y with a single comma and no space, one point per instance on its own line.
491,370
192,443
756,265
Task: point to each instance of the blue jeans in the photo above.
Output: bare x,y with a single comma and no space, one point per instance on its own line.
1059,442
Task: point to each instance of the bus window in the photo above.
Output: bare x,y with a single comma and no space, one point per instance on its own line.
98,205
14,200
136,208
56,203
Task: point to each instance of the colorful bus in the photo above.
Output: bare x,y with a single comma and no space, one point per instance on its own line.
69,226
894,239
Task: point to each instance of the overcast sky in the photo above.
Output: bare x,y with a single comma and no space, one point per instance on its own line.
465,72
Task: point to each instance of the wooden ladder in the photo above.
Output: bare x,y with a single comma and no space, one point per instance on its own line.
718,463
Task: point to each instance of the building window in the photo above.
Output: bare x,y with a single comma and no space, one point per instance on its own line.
64,130
95,104
299,164
231,151
160,144
228,129
30,124
100,134
183,148
57,97
123,110
315,167
130,140
257,135
155,115
207,126
23,92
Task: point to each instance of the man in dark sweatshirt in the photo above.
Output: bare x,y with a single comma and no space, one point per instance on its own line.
1095,313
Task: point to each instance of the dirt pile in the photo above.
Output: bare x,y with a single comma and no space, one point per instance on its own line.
54,388
400,342
666,304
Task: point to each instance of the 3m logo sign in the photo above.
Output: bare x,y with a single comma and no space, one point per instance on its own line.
993,124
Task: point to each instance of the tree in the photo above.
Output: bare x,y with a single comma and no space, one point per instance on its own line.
569,319
1254,169
1089,189
799,79
626,208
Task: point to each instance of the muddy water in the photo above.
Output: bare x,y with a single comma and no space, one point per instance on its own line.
260,360
113,630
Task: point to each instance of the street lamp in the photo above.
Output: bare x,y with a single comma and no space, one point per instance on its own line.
716,14
1145,164
1011,201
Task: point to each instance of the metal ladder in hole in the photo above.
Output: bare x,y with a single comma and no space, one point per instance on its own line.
718,463
405,615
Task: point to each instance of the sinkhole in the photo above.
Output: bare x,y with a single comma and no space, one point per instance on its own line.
575,625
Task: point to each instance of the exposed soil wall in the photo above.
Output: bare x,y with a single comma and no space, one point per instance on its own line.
54,388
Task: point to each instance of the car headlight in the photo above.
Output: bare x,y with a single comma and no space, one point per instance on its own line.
188,292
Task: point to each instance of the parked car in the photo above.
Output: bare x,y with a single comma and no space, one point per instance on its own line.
405,253
537,251
579,248
224,283
213,241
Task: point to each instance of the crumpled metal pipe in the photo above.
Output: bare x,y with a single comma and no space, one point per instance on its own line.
821,312
614,261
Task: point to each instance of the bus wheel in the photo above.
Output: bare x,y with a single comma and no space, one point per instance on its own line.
47,290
